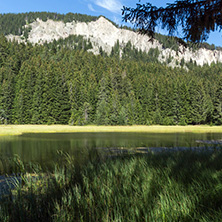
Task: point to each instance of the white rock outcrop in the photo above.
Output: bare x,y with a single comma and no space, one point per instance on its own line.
102,33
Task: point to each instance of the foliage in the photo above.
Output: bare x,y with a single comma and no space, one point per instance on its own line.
169,186
15,24
61,83
197,18
11,23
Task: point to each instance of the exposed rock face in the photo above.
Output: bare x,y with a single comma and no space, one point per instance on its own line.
103,33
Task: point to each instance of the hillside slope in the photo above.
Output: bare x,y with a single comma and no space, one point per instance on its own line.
102,33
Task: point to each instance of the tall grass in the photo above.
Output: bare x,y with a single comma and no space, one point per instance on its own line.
178,186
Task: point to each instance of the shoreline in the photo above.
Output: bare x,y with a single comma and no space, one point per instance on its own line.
11,130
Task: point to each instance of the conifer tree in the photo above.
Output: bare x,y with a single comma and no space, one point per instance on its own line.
7,89
197,18
200,103
217,113
103,107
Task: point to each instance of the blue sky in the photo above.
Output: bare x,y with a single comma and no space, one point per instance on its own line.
109,8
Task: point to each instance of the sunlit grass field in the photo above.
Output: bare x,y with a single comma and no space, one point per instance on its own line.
20,129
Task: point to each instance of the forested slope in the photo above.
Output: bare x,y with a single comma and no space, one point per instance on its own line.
11,23
49,84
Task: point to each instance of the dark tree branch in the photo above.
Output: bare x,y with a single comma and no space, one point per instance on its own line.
197,18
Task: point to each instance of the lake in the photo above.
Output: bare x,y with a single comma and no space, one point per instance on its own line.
43,147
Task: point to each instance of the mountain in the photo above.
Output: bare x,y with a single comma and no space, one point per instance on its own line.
76,69
104,34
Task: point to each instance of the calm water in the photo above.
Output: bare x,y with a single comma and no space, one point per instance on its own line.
42,148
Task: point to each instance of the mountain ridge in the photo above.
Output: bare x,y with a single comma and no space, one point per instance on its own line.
103,34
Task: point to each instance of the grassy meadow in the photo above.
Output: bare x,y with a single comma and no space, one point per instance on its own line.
20,129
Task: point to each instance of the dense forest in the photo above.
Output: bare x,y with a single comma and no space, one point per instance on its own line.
62,83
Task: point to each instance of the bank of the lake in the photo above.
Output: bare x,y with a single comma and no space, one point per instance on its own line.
183,186
20,129
111,186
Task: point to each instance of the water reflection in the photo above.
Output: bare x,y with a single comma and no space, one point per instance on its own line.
42,148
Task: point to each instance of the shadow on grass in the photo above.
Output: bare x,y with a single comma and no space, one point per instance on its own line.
175,186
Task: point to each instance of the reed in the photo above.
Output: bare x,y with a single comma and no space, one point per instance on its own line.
177,186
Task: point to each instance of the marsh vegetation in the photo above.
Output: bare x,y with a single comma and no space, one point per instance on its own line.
178,186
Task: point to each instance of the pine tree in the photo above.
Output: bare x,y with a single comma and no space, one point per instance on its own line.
217,113
103,106
7,88
3,50
198,18
200,103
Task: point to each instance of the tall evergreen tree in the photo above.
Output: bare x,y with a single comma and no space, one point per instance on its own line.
103,106
217,113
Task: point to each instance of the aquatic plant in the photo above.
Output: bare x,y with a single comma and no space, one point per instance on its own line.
168,186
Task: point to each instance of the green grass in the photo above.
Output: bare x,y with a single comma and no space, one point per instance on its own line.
179,186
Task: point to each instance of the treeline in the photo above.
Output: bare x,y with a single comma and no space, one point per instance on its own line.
12,23
129,52
173,43
59,85
76,42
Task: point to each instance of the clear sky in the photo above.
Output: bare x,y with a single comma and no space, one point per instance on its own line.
109,8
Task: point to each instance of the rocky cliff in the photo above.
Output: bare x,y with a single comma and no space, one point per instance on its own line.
102,33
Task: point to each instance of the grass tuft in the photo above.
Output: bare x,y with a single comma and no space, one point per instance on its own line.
177,186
